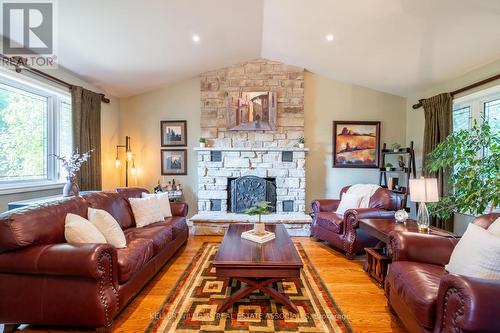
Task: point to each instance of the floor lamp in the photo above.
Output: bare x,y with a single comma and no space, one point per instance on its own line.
128,159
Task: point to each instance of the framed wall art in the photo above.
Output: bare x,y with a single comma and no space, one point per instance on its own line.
255,111
356,144
173,133
173,162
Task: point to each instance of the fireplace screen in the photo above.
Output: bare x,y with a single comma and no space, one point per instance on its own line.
246,191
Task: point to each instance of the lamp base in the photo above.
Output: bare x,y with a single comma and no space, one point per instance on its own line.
423,219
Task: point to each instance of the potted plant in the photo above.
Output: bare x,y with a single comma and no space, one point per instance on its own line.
72,165
395,146
203,142
302,142
388,166
260,208
473,159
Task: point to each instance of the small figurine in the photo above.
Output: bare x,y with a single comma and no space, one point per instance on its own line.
169,186
158,188
401,162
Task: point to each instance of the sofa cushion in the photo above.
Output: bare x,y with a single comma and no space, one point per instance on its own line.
417,284
177,223
133,257
330,221
113,203
161,235
37,225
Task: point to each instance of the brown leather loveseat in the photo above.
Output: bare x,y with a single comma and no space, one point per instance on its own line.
427,298
342,231
46,281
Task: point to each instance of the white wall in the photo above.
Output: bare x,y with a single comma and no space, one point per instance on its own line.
327,100
109,138
415,118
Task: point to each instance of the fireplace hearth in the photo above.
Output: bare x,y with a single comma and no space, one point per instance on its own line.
244,192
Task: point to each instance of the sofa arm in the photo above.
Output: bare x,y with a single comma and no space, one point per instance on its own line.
179,208
80,260
411,246
467,304
325,205
352,216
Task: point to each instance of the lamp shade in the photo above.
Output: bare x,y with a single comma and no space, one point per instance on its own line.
424,190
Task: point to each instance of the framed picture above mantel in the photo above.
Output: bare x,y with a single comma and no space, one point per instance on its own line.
173,133
356,144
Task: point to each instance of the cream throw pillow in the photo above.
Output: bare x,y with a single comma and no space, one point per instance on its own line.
146,211
494,228
79,230
108,226
348,201
163,202
477,254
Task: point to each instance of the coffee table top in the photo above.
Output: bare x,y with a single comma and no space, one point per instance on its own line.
380,228
237,252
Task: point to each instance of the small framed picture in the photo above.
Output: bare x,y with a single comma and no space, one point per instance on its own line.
173,162
173,133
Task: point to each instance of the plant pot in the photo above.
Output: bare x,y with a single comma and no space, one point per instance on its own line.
259,228
203,144
301,145
71,188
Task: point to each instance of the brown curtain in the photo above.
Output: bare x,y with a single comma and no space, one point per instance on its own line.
438,125
86,107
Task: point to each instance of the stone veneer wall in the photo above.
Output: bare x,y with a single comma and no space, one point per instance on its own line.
220,90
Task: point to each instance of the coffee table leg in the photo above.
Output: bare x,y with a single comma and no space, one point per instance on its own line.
262,285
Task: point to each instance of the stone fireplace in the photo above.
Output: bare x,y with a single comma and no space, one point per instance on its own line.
240,168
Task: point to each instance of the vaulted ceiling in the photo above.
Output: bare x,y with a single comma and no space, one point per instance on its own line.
398,46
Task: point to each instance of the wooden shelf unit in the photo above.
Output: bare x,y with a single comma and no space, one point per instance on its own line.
407,171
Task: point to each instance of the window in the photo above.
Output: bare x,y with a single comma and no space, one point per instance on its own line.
35,124
481,106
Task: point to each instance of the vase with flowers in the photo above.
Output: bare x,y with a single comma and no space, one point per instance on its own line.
72,164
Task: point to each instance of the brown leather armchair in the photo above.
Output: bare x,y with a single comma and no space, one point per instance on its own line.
342,231
46,281
427,298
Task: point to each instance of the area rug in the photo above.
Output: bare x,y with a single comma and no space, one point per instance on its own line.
192,305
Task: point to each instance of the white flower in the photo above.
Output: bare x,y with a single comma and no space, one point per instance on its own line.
73,163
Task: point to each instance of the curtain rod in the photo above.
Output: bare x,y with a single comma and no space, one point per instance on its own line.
19,63
470,86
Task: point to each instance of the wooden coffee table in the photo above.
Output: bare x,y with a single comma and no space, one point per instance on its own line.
257,265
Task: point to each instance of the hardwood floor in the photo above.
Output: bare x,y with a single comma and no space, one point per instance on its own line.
359,298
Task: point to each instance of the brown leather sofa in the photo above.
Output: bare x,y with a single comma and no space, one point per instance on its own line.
46,281
428,299
342,231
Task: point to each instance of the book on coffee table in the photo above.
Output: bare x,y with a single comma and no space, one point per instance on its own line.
251,235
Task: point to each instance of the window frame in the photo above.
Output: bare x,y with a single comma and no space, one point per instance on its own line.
476,102
55,96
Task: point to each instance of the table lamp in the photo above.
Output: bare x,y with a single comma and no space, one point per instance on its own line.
423,190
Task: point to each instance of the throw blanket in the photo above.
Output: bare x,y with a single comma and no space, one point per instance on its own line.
365,191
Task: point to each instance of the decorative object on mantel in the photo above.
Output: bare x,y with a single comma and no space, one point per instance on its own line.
258,233
302,142
173,162
128,159
356,144
203,142
401,215
423,190
173,133
72,165
255,111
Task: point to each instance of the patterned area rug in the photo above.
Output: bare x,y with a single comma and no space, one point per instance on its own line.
192,305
